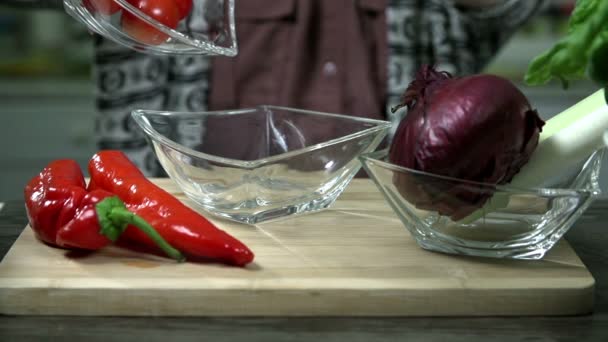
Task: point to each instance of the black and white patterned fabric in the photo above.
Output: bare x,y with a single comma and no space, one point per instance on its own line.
127,80
419,31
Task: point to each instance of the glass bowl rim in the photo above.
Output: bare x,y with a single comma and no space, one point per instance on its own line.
376,157
75,7
139,114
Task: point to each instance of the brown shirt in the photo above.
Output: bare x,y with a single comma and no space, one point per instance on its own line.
329,56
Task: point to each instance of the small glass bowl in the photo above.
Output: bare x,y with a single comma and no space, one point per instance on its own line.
515,223
253,165
209,29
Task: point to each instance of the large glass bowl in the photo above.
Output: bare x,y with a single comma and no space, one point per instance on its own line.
262,163
209,28
515,223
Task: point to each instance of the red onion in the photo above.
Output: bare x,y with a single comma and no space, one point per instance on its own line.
478,128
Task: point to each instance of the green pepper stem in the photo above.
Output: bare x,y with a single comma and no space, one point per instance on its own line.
124,216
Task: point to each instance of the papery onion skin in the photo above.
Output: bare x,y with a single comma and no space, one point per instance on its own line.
477,128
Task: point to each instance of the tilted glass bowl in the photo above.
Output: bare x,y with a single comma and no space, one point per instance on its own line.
208,29
517,223
252,165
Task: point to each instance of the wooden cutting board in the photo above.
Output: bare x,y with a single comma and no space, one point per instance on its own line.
355,259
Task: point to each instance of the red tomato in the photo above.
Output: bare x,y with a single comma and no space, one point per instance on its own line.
184,7
106,7
163,11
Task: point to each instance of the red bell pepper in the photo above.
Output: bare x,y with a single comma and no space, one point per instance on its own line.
181,226
62,213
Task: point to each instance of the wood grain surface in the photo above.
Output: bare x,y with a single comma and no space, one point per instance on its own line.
354,259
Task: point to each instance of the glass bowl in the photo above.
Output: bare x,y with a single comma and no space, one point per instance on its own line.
207,29
257,164
515,223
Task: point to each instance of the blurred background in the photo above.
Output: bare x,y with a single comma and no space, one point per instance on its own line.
46,93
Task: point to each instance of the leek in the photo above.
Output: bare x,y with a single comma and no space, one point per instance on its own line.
566,140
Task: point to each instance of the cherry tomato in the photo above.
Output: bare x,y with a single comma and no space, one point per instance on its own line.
163,11
184,7
105,7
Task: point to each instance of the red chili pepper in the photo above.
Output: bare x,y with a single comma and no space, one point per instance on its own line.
52,197
62,213
84,230
181,226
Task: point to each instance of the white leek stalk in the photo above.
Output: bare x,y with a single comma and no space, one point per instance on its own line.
585,107
566,140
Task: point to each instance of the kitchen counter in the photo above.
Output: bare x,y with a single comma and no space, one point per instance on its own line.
587,237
